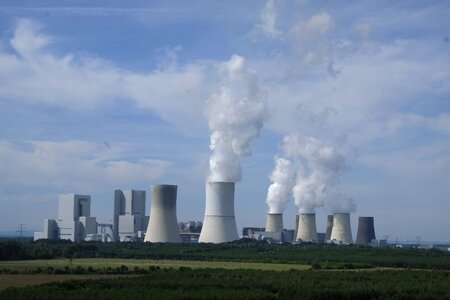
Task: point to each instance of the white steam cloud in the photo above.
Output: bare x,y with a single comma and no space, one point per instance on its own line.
236,114
309,169
283,179
341,204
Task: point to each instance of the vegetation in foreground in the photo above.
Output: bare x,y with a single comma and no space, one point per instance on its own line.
319,256
109,265
248,284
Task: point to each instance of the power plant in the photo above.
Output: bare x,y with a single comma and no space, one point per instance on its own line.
342,231
306,231
366,231
129,222
274,223
163,224
219,225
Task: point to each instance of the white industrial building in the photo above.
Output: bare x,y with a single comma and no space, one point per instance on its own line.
74,221
129,220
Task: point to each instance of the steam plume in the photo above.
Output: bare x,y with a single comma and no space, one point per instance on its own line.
318,168
283,179
341,204
235,115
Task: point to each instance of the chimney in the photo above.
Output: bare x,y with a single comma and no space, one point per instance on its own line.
163,225
329,227
219,225
342,231
306,231
274,223
366,231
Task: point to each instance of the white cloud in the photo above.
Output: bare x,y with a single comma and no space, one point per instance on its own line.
78,81
317,25
268,20
74,166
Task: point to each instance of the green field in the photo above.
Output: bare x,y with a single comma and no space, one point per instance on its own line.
24,267
101,263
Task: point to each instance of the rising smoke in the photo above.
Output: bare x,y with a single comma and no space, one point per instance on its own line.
319,168
314,168
236,114
340,203
283,179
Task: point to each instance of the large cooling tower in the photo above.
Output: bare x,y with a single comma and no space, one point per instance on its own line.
163,225
306,231
219,225
342,231
296,227
366,231
274,223
329,227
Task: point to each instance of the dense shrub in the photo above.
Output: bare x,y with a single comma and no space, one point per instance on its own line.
325,256
248,284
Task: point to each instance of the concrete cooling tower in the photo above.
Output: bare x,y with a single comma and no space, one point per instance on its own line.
163,225
329,227
366,231
219,225
306,231
274,223
296,227
342,231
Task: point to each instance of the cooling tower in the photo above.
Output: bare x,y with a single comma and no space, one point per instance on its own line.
306,231
274,223
296,228
329,227
366,231
219,225
163,225
342,231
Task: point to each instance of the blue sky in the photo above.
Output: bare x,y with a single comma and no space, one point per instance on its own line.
98,95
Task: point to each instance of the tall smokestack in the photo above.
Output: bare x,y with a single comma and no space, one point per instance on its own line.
306,231
163,225
342,231
366,231
274,222
219,225
329,227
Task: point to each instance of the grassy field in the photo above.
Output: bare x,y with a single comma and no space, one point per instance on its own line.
19,280
99,263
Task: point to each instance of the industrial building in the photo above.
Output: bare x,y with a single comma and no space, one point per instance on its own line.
74,221
129,219
190,231
261,234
